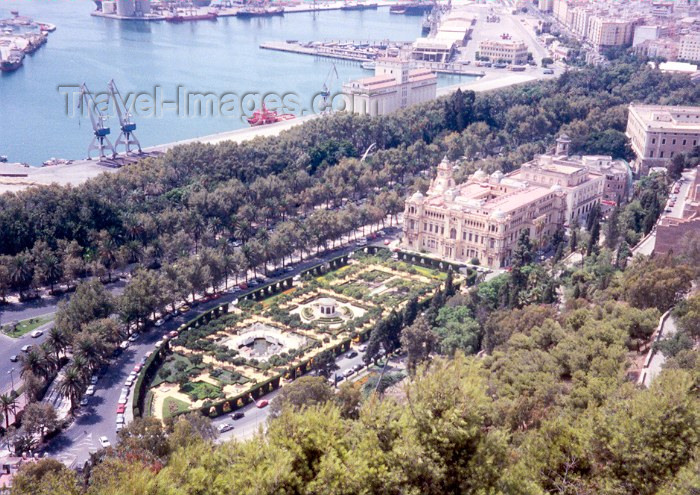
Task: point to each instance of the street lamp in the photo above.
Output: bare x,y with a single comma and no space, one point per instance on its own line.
12,379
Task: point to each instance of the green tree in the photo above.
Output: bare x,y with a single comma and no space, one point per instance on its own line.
303,392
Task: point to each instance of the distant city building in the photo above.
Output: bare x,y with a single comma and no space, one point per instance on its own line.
433,50
394,86
511,51
658,133
646,33
689,48
583,181
661,48
608,31
545,5
672,231
482,218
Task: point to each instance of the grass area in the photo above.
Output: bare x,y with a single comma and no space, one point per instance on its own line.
428,272
173,406
200,390
272,299
26,326
176,364
227,377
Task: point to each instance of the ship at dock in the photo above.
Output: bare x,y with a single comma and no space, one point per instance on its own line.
266,116
412,8
191,15
247,12
359,6
11,60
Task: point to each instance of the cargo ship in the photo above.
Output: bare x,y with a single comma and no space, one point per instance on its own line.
265,116
359,6
416,8
247,12
179,17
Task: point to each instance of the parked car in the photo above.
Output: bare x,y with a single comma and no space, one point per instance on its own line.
387,242
137,368
119,428
134,337
93,380
14,358
225,427
90,390
124,345
27,348
349,372
120,419
243,286
548,71
104,442
84,401
351,354
122,400
184,309
363,348
129,382
159,344
261,403
358,367
37,333
237,415
361,242
159,322
174,334
121,408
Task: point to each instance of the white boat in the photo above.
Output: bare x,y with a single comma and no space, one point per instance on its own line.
368,65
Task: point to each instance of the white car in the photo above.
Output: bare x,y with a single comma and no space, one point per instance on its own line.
225,427
93,380
129,382
124,345
104,441
84,401
119,428
37,333
134,337
90,390
27,348
122,400
159,322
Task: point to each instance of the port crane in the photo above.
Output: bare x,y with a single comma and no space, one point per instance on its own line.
326,91
126,123
100,141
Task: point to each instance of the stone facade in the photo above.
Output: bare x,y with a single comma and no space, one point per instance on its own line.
393,87
670,231
657,133
511,51
482,218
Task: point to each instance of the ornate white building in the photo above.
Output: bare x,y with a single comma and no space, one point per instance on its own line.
482,218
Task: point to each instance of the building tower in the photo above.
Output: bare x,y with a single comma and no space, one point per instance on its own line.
563,143
444,179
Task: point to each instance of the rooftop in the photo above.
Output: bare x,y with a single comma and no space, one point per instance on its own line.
668,117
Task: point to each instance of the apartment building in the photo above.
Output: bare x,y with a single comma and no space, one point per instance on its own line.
482,218
657,133
689,47
394,86
511,51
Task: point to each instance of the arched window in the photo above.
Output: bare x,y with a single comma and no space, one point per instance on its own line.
453,233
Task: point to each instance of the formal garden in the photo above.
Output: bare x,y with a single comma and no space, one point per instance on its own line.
261,342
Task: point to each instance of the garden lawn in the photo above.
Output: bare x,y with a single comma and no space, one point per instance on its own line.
200,390
26,326
173,406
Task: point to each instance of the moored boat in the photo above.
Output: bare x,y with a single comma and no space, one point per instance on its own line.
209,16
415,8
259,12
265,116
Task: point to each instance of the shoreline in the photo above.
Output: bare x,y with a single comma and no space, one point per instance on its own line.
15,177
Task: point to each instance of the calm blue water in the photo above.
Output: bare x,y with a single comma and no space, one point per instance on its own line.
218,57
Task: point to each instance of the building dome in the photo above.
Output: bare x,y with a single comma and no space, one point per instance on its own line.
498,214
555,188
417,196
479,175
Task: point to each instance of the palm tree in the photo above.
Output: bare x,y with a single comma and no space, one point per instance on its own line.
7,404
72,386
34,362
21,271
57,341
90,350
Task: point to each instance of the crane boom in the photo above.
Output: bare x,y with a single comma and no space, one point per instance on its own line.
326,91
126,123
100,141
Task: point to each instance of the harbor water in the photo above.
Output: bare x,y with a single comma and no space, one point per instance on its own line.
164,63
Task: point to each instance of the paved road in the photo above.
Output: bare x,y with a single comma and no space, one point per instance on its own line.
255,418
98,418
17,312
